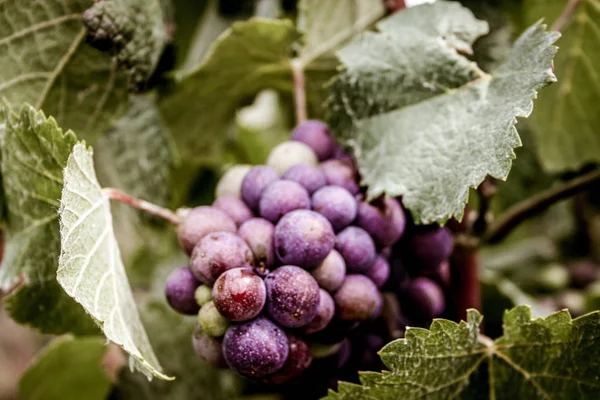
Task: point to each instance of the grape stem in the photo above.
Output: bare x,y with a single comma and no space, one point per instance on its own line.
395,5
564,18
464,290
536,204
485,191
299,90
122,197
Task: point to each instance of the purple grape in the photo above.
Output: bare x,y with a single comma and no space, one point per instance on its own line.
299,359
340,154
331,272
235,208
383,219
281,197
425,247
325,312
317,136
303,238
180,291
358,299
357,248
239,294
336,204
255,348
341,173
208,348
255,182
258,234
441,274
422,300
292,296
201,221
308,176
216,253
379,272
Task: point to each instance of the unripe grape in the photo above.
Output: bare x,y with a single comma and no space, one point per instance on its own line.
287,154
384,220
179,290
422,300
255,182
357,248
208,348
216,253
203,294
239,294
426,247
259,235
331,272
341,173
379,272
336,204
317,136
281,197
201,221
292,296
230,183
235,208
255,348
358,299
299,359
310,177
325,312
211,321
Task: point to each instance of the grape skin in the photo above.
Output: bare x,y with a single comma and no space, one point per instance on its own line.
180,291
331,272
341,173
255,182
235,208
239,294
358,299
310,177
384,220
357,248
379,272
201,221
336,204
281,197
208,348
325,312
290,153
211,321
299,359
259,235
317,136
230,183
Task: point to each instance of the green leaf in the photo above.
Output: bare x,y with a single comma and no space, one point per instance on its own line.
90,267
45,61
34,153
423,121
546,358
566,121
249,57
68,369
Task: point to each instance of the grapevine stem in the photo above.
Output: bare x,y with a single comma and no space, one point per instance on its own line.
299,90
562,21
536,204
464,290
164,213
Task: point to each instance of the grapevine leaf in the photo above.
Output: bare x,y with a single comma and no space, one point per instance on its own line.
90,268
422,120
34,153
247,58
68,369
566,121
45,61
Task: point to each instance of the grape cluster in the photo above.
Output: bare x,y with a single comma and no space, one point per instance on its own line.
291,263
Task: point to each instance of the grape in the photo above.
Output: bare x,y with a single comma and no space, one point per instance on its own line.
211,321
383,219
357,248
582,273
239,294
201,221
325,312
203,295
281,197
316,135
235,208
310,177
440,275
379,272
303,238
288,154
299,359
179,290
292,296
425,247
255,182
422,300
331,272
258,234
341,173
230,183
216,253
336,204
358,299
208,348
256,348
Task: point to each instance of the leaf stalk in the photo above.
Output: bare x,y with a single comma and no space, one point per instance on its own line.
150,208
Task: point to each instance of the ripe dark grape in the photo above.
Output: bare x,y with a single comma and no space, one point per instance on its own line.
358,299
341,173
425,247
379,272
303,238
441,274
299,359
201,221
325,312
235,208
281,197
336,204
422,300
255,182
308,176
216,253
259,235
255,349
292,296
331,272
180,289
383,219
208,348
357,248
211,321
317,136
239,294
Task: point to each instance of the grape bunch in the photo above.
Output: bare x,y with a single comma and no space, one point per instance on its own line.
291,263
